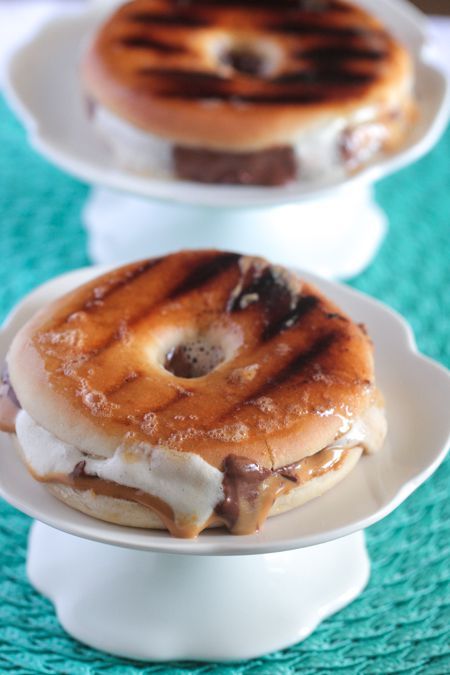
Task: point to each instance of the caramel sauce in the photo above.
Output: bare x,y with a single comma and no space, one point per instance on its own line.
250,491
78,480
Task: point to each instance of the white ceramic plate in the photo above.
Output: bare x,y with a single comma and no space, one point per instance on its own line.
44,88
417,393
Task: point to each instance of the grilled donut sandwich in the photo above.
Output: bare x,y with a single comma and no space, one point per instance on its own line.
195,390
253,93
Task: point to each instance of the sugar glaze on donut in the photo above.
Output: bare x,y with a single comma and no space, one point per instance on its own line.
200,389
247,93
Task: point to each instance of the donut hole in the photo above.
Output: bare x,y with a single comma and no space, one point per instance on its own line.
255,58
194,358
244,59
192,351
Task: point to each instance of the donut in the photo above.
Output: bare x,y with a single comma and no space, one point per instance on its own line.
247,93
199,389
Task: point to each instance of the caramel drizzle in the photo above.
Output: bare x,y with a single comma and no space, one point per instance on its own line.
78,480
250,491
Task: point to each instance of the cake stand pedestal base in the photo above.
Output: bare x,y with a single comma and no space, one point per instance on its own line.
155,606
335,236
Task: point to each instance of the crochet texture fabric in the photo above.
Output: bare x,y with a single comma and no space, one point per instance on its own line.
400,624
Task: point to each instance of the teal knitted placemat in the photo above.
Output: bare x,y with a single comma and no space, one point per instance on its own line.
400,624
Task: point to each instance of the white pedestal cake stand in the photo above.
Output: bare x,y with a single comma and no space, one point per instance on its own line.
145,595
330,226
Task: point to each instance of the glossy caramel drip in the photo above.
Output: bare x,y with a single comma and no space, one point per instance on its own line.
250,491
331,50
78,480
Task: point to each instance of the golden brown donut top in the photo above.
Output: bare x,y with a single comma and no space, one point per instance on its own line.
290,367
239,57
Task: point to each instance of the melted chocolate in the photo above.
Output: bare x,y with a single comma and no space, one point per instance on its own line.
242,482
275,166
303,306
7,389
205,272
9,403
146,42
275,299
250,490
271,293
79,470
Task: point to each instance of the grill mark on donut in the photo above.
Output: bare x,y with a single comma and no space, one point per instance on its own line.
205,273
274,298
296,365
299,362
269,291
201,274
321,29
331,71
304,305
305,86
172,20
341,53
99,294
195,76
141,42
324,76
130,377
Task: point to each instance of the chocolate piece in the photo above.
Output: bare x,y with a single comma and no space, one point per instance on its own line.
79,470
242,482
9,404
250,490
282,309
7,388
275,166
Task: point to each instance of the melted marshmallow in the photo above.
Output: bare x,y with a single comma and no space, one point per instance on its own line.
183,480
316,147
188,484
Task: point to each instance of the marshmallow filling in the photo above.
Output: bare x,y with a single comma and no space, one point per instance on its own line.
185,491
329,149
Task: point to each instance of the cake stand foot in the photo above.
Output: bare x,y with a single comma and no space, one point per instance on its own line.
336,236
154,606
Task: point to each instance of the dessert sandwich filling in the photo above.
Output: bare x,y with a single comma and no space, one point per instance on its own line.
182,489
